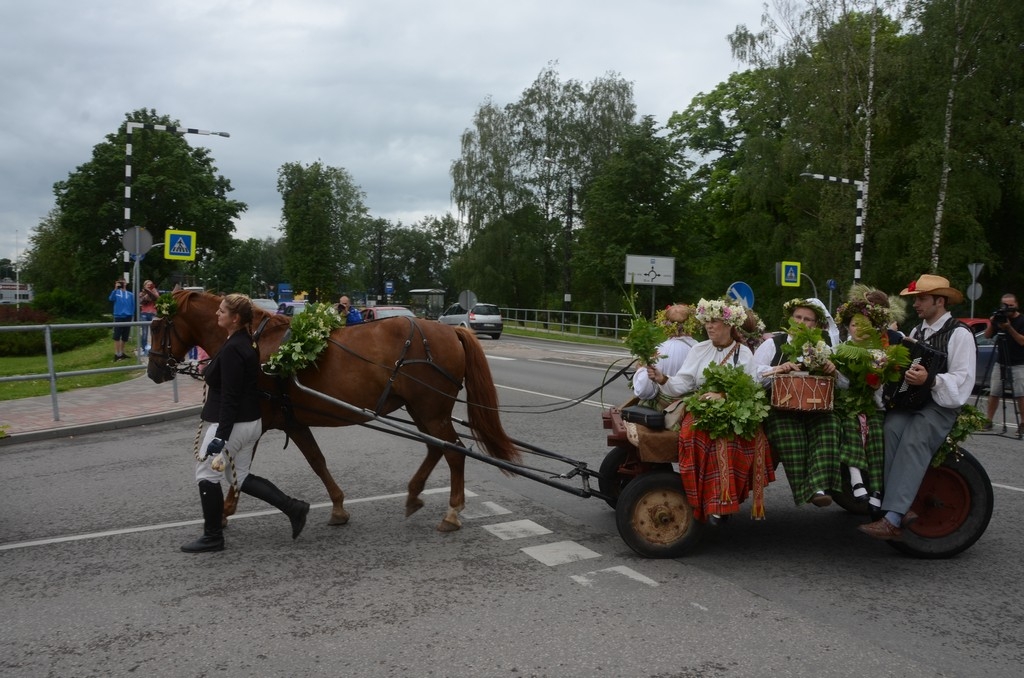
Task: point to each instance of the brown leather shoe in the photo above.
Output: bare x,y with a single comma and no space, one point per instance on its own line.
909,518
882,529
821,500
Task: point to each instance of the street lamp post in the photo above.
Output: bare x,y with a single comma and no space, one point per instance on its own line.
858,243
130,127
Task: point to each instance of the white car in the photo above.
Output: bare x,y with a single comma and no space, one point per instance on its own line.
482,319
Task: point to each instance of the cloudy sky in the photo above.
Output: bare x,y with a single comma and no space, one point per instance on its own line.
382,88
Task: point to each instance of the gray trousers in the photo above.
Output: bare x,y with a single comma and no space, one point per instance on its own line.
911,439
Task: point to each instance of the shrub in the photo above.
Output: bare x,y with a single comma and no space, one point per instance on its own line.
63,303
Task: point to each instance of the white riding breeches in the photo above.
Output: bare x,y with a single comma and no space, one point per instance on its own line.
240,447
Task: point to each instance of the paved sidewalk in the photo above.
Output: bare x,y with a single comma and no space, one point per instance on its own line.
129,403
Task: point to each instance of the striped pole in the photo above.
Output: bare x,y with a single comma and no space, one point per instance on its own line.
130,127
858,243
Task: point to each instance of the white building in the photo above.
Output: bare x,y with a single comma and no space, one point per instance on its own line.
15,293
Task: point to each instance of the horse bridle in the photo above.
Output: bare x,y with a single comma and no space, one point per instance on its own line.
169,364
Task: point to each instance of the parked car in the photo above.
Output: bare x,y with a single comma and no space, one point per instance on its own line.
381,312
482,319
987,360
268,305
291,308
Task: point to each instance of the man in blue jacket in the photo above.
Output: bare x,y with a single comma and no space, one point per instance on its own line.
124,311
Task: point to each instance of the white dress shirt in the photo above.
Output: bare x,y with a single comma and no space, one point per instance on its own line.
674,351
690,376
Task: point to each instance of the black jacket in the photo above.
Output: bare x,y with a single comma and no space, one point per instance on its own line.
231,379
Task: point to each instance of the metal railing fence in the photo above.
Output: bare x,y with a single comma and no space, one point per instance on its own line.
595,324
52,375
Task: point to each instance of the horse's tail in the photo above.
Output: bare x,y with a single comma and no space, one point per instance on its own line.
482,400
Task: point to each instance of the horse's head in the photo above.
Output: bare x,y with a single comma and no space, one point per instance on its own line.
192,324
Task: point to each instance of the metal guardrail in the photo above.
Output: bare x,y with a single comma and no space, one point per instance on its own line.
52,375
577,323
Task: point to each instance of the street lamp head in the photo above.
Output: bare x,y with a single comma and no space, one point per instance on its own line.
221,134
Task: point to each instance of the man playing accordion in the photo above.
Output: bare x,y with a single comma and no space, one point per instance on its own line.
914,431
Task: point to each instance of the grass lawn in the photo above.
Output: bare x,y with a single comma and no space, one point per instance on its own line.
93,356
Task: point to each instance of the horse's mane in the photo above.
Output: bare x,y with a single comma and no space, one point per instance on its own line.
186,297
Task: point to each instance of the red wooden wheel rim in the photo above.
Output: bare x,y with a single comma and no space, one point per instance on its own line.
943,503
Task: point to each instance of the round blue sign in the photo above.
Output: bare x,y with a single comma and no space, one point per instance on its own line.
741,291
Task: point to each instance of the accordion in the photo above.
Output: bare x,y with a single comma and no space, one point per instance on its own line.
901,395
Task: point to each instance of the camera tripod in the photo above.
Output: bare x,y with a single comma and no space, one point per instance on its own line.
1006,377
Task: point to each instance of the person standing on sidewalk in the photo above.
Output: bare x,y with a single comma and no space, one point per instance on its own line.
233,411
147,311
124,312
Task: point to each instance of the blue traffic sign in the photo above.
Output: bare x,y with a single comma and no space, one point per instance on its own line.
741,291
389,287
832,284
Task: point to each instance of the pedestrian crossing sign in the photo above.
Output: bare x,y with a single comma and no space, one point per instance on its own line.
180,245
791,274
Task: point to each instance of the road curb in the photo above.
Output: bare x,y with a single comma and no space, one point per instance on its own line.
96,427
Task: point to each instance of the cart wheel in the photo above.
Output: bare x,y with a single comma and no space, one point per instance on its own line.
611,481
654,518
954,504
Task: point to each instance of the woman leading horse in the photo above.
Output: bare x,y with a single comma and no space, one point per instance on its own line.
378,367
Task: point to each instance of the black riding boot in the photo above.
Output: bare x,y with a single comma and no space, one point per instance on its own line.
213,510
295,509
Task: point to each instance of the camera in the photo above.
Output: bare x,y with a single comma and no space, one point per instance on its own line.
1002,315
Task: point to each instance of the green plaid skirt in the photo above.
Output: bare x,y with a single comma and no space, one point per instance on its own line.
807,445
864,449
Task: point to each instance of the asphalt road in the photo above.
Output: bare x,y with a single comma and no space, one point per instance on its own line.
537,583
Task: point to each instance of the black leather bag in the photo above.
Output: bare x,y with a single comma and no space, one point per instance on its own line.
647,416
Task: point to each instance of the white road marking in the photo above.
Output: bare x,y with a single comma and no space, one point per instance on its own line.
185,523
592,403
699,607
516,529
589,578
483,510
1008,487
560,553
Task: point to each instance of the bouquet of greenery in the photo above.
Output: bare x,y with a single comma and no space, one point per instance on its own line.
644,336
742,410
166,306
806,347
869,364
970,420
310,331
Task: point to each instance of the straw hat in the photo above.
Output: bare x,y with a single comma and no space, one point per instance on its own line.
933,284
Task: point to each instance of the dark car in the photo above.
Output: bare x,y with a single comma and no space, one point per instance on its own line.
481,318
291,308
381,312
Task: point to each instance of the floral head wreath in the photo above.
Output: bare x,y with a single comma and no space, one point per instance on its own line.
688,326
729,312
879,315
752,330
793,304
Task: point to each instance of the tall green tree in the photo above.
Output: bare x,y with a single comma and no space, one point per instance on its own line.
324,221
635,205
174,186
542,152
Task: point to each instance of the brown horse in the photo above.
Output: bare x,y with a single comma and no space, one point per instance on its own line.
379,367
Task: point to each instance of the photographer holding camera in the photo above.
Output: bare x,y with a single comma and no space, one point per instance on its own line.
1009,324
124,312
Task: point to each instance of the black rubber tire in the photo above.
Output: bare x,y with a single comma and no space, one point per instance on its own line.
844,499
496,336
654,518
955,504
611,482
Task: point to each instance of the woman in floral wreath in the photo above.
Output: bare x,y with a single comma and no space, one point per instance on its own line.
868,361
717,474
677,320
805,443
